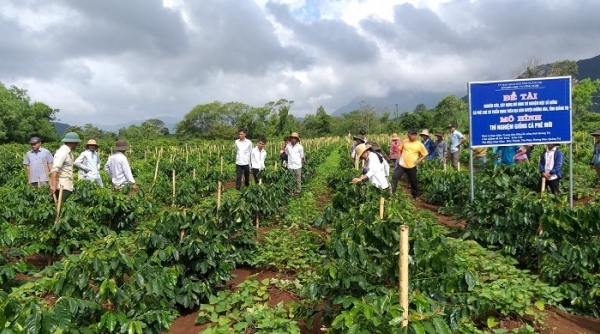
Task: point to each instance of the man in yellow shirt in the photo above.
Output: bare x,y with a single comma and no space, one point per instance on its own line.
413,152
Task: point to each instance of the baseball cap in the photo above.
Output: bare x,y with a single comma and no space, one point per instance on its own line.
34,140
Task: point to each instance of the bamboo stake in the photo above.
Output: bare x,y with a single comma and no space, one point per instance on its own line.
59,204
458,166
381,206
156,171
194,174
221,164
403,267
173,177
182,234
218,195
207,165
275,165
145,155
543,187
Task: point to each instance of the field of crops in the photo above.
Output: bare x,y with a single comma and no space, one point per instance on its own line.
188,245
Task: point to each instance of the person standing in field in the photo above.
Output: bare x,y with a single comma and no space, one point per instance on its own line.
551,163
413,152
595,163
243,147
88,163
428,143
357,141
62,167
282,154
375,168
394,149
507,154
295,153
118,167
441,148
456,140
521,156
257,160
38,163
480,156
377,150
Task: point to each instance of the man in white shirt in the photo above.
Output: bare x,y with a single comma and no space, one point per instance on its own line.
88,163
375,167
257,160
118,167
295,153
243,149
62,167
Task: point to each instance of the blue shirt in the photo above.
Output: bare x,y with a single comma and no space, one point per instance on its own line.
430,147
35,161
507,153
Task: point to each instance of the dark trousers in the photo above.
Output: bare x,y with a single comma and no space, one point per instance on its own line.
255,172
411,173
553,185
239,169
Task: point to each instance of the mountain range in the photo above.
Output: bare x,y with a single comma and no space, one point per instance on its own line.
407,100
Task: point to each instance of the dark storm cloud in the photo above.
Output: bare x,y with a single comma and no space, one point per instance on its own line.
334,40
234,36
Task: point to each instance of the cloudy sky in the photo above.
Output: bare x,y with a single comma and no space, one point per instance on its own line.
112,61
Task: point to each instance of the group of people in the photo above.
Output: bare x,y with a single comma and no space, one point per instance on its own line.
250,158
405,156
43,168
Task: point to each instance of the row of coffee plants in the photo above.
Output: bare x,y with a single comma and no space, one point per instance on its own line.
543,233
455,285
126,262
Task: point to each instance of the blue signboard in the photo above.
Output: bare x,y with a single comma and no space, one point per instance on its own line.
519,112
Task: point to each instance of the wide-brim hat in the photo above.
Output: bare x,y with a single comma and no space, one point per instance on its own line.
425,133
439,134
71,137
121,145
359,137
295,135
34,140
373,145
596,133
91,142
360,149
395,136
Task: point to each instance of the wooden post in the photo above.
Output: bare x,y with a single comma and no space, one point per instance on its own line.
186,155
444,166
218,195
403,267
194,174
221,164
59,204
145,155
207,165
275,165
458,166
381,206
156,170
543,186
182,234
173,201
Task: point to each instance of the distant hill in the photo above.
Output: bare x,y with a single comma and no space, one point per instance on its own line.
406,101
60,127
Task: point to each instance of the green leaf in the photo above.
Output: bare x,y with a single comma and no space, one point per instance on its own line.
441,327
492,322
540,305
416,327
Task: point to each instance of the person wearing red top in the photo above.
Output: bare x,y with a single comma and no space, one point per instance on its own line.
395,149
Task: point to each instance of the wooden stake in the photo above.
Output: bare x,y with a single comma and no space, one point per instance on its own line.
156,170
207,165
381,206
182,234
543,186
458,166
59,204
275,165
219,195
221,164
403,267
194,174
145,155
173,201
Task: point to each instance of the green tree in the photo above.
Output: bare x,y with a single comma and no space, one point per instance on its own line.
318,125
451,110
21,119
583,92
